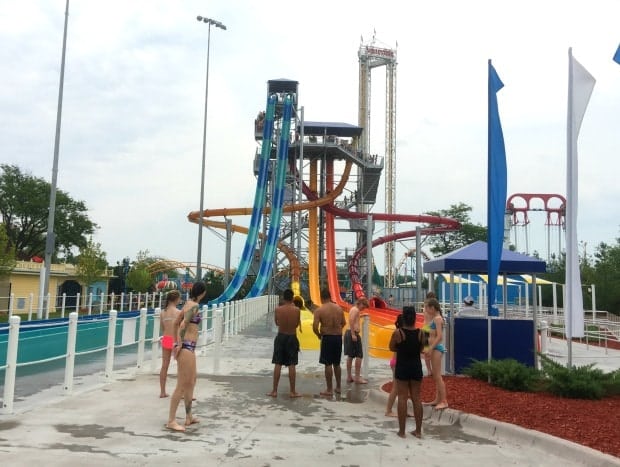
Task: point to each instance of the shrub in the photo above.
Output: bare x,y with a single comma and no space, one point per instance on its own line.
585,382
611,384
581,382
507,374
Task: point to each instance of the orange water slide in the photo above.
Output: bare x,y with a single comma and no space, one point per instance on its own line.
313,240
315,202
284,248
381,323
311,206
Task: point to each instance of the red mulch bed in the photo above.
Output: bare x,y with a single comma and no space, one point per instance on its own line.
595,424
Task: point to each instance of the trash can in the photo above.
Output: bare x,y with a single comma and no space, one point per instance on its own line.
543,336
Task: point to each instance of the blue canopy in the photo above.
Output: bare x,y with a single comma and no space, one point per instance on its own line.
473,259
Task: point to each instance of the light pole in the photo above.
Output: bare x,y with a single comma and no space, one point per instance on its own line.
50,242
217,24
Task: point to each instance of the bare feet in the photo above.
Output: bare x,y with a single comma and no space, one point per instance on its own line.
326,393
401,434
434,403
174,426
337,390
443,405
161,396
417,434
293,395
191,421
360,380
272,394
350,379
389,413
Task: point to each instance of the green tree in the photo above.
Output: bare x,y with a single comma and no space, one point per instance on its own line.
139,278
602,269
24,207
215,284
91,263
446,242
606,276
7,254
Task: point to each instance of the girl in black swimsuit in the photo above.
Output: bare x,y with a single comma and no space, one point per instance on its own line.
189,329
407,342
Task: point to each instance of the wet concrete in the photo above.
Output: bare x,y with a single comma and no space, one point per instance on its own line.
122,423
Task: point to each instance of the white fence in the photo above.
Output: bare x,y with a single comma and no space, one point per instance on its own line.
228,320
90,303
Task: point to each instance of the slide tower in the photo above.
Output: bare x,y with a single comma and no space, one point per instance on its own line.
371,56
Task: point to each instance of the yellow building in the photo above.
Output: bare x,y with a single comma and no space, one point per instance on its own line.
24,281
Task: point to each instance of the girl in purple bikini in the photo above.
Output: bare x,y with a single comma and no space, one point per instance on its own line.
188,331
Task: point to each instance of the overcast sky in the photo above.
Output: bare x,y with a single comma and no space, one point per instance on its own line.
133,104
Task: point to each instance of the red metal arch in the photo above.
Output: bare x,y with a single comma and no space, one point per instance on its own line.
555,215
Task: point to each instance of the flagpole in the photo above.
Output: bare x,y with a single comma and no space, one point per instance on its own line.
580,86
568,306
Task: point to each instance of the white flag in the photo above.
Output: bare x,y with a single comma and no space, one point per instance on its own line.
580,86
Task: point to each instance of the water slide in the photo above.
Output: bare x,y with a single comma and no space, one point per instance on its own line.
309,205
257,211
313,241
356,285
295,267
273,235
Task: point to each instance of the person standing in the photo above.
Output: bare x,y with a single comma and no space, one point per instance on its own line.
287,317
426,327
406,341
353,342
328,323
436,350
168,318
468,308
188,331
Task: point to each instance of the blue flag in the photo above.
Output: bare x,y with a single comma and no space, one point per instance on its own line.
496,189
617,56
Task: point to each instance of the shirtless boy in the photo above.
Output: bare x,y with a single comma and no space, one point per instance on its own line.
328,323
286,346
353,342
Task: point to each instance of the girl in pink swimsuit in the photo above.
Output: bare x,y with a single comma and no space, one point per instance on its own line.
168,318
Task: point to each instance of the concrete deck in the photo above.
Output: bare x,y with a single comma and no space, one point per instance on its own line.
122,422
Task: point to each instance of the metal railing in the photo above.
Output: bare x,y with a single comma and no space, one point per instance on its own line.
223,321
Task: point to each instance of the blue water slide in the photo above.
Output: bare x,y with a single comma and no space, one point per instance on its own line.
269,253
257,210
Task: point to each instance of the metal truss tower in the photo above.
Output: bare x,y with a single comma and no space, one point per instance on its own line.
372,56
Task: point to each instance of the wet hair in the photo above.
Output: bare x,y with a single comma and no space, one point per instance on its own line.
171,297
408,315
287,295
197,289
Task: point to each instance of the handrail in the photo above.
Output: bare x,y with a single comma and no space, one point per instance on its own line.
238,315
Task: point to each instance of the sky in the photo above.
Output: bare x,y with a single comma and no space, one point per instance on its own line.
134,93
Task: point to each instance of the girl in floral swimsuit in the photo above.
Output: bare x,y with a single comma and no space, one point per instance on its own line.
189,328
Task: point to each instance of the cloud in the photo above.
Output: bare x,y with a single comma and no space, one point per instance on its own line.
133,107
